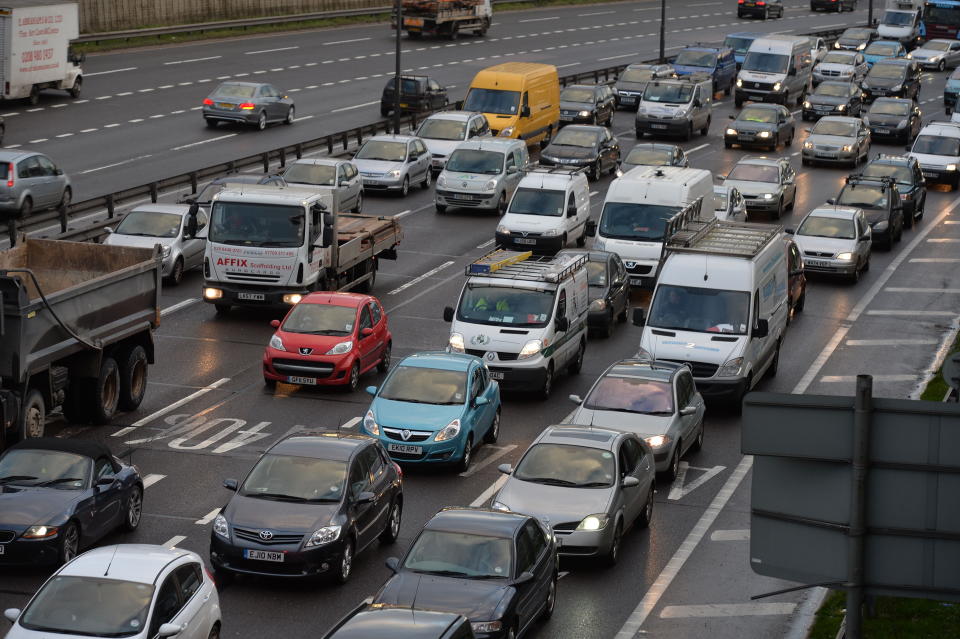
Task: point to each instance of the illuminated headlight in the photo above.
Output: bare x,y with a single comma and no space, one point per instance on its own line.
341,348
40,532
847,147
841,107
220,526
551,233
806,104
277,343
485,627
619,174
456,342
845,257
497,505
394,173
584,114
763,134
731,368
808,145
594,522
731,131
951,167
616,91
370,423
503,230
448,432
836,45
507,132
642,353
323,536
530,349
768,196
292,298
909,56
442,181
861,46
777,86
598,304
881,226
657,441
739,82
212,293
166,252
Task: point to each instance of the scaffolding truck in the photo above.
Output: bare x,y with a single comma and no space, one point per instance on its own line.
446,18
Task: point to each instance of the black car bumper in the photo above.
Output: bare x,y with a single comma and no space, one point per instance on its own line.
874,93
749,139
941,176
880,132
519,379
752,12
776,97
722,389
577,119
229,556
818,111
537,244
21,552
576,163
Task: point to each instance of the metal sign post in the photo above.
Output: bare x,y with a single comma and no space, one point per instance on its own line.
863,401
663,31
396,81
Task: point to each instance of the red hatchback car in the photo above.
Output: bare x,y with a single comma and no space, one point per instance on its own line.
328,339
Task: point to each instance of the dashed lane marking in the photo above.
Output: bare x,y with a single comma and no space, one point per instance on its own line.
849,379
499,451
270,50
491,490
206,519
173,541
730,535
110,71
891,342
420,278
151,479
727,610
213,57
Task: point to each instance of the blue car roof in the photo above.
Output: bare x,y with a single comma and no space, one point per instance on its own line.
441,360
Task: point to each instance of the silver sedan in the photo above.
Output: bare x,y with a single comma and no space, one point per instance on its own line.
342,175
248,103
837,140
590,484
166,225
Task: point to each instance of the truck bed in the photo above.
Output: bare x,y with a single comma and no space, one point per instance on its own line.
360,236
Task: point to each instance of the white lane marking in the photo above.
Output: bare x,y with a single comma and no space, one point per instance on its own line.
934,260
193,144
124,93
111,71
478,466
895,289
486,244
350,423
595,13
727,610
65,135
633,623
172,407
951,222
678,490
564,66
110,166
111,125
151,479
345,41
38,140
420,278
176,307
890,342
9,115
697,148
213,57
355,106
849,379
269,50
540,19
593,193
135,120
13,146
892,313
730,535
173,541
206,519
88,130
489,492
943,240
617,57
61,105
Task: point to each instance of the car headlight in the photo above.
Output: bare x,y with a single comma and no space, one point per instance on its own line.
530,349
498,505
616,91
442,181
841,107
584,114
909,56
951,167
642,353
323,536
836,45
768,196
490,185
212,293
448,432
731,131
763,134
777,86
485,627
731,368
341,348
808,145
503,230
594,522
166,252
507,132
220,526
277,343
847,147
861,46
370,424
456,342
40,532
845,257
551,233
902,123
896,88
739,82
598,304
394,173
881,225
657,441
292,298
806,104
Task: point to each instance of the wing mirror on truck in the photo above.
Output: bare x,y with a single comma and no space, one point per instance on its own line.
562,324
591,228
190,227
525,112
762,329
448,314
639,317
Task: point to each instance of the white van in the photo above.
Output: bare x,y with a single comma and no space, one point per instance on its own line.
777,68
526,316
548,211
720,305
637,209
937,149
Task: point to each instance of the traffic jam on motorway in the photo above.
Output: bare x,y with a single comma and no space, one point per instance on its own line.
372,404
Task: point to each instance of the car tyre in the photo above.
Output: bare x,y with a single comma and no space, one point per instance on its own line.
405,186
392,530
428,178
547,387
493,433
551,602
698,442
582,240
33,417
222,309
134,509
78,87
358,208
577,364
441,208
214,633
775,364
854,277
384,364
607,329
674,467
345,565
176,273
106,392
706,128
614,553
262,121
211,123
291,116
269,384
463,465
26,208
798,307
133,378
942,65
353,382
596,171
646,515
69,542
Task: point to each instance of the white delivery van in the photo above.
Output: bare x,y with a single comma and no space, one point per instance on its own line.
777,68
937,149
720,305
901,22
525,315
549,210
638,208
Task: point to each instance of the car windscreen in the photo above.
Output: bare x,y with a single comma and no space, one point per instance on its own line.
898,18
766,62
636,75
936,45
492,101
438,129
689,58
720,201
585,139
672,93
577,95
755,173
817,226
886,72
320,319
649,157
835,127
757,114
856,34
634,221
936,145
832,90
150,224
475,161
383,150
838,57
458,554
863,196
527,201
890,107
318,174
703,310
902,174
596,273
234,91
292,478
880,48
502,306
738,44
420,385
628,394
89,606
566,465
263,225
26,467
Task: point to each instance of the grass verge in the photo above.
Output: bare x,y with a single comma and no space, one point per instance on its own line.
937,388
896,618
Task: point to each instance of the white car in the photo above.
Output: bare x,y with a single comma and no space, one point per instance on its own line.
848,66
834,240
443,131
166,225
135,591
728,203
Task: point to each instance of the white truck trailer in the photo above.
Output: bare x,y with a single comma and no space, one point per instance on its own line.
35,52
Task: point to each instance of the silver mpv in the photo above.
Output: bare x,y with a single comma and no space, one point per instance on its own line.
31,181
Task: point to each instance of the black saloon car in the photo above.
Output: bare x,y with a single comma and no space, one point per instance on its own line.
587,104
855,38
833,98
653,154
498,569
583,145
897,119
310,504
880,200
761,125
762,9
910,183
399,622
609,291
892,77
418,93
60,495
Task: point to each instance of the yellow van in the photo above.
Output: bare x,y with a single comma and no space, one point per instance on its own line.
519,99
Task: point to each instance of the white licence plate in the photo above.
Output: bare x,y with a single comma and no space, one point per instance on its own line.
658,126
263,555
883,130
496,375
1,549
566,118
405,448
636,281
626,100
524,240
257,297
827,155
308,381
816,263
929,174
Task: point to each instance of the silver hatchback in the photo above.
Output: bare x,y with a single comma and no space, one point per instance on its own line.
393,163
342,175
31,181
166,225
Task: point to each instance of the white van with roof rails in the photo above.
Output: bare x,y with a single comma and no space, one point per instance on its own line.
525,315
720,305
777,68
548,211
937,149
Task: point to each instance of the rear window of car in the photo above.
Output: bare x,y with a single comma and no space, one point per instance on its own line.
4,170
235,91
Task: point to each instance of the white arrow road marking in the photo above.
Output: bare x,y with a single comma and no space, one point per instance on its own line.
206,519
244,437
151,479
172,407
173,541
679,490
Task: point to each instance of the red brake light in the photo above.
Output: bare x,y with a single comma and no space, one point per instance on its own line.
10,175
399,470
208,101
248,106
739,1
761,3
210,575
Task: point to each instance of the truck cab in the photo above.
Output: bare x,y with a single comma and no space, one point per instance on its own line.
902,21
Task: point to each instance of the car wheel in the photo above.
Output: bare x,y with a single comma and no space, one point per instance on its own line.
727,144
34,98
441,209
596,171
262,120
689,134
214,633
345,565
855,276
76,88
384,364
511,633
211,123
101,394
706,128
354,382
798,307
646,515
291,116
493,433
775,364
674,466
942,65
428,178
779,212
502,204
547,386
405,186
358,208
269,384
392,530
577,362
463,465
551,603
176,274
738,101
33,416
789,141
866,267
133,378
134,509
607,329
582,240
26,208
614,553
69,542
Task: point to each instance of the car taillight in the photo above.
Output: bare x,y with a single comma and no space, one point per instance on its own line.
247,106
761,3
208,102
399,470
210,575
10,175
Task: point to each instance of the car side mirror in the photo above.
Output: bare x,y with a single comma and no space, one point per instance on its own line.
447,313
58,171
108,229
792,72
170,629
591,229
525,112
721,177
572,211
576,399
366,332
524,577
639,317
191,225
230,484
732,117
393,564
686,411
865,236
12,614
697,104
832,200
513,169
506,469
789,231
630,482
481,401
762,329
562,324
796,271
371,390
106,481
275,323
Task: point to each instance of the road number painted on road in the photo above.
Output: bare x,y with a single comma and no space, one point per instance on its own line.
187,430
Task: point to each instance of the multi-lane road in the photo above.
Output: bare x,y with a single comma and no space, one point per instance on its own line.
207,415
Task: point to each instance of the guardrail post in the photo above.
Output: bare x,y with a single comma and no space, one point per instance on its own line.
329,145
345,141
283,157
299,150
63,218
359,136
266,162
153,192
232,166
12,230
413,122
193,182
110,208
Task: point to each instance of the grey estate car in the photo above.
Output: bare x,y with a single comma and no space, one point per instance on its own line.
342,175
31,181
253,103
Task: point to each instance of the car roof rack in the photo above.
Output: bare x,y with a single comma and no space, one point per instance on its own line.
555,170
523,265
856,178
716,237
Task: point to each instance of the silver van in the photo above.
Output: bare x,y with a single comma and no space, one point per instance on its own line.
676,106
482,173
777,68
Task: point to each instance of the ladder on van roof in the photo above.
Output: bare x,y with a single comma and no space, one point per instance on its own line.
523,265
715,237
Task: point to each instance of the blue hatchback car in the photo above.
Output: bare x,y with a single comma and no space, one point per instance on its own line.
435,408
883,49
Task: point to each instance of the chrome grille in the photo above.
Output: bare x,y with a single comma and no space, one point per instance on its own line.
817,254
278,538
415,435
252,277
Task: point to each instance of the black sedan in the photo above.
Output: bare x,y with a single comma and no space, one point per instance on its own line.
60,495
587,104
881,203
395,622
609,291
583,145
418,93
833,98
498,569
894,78
855,38
762,125
897,119
307,507
653,154
910,183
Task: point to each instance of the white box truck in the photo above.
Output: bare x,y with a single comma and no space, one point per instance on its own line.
35,49
901,21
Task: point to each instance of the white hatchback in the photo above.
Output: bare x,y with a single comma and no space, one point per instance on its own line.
135,591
